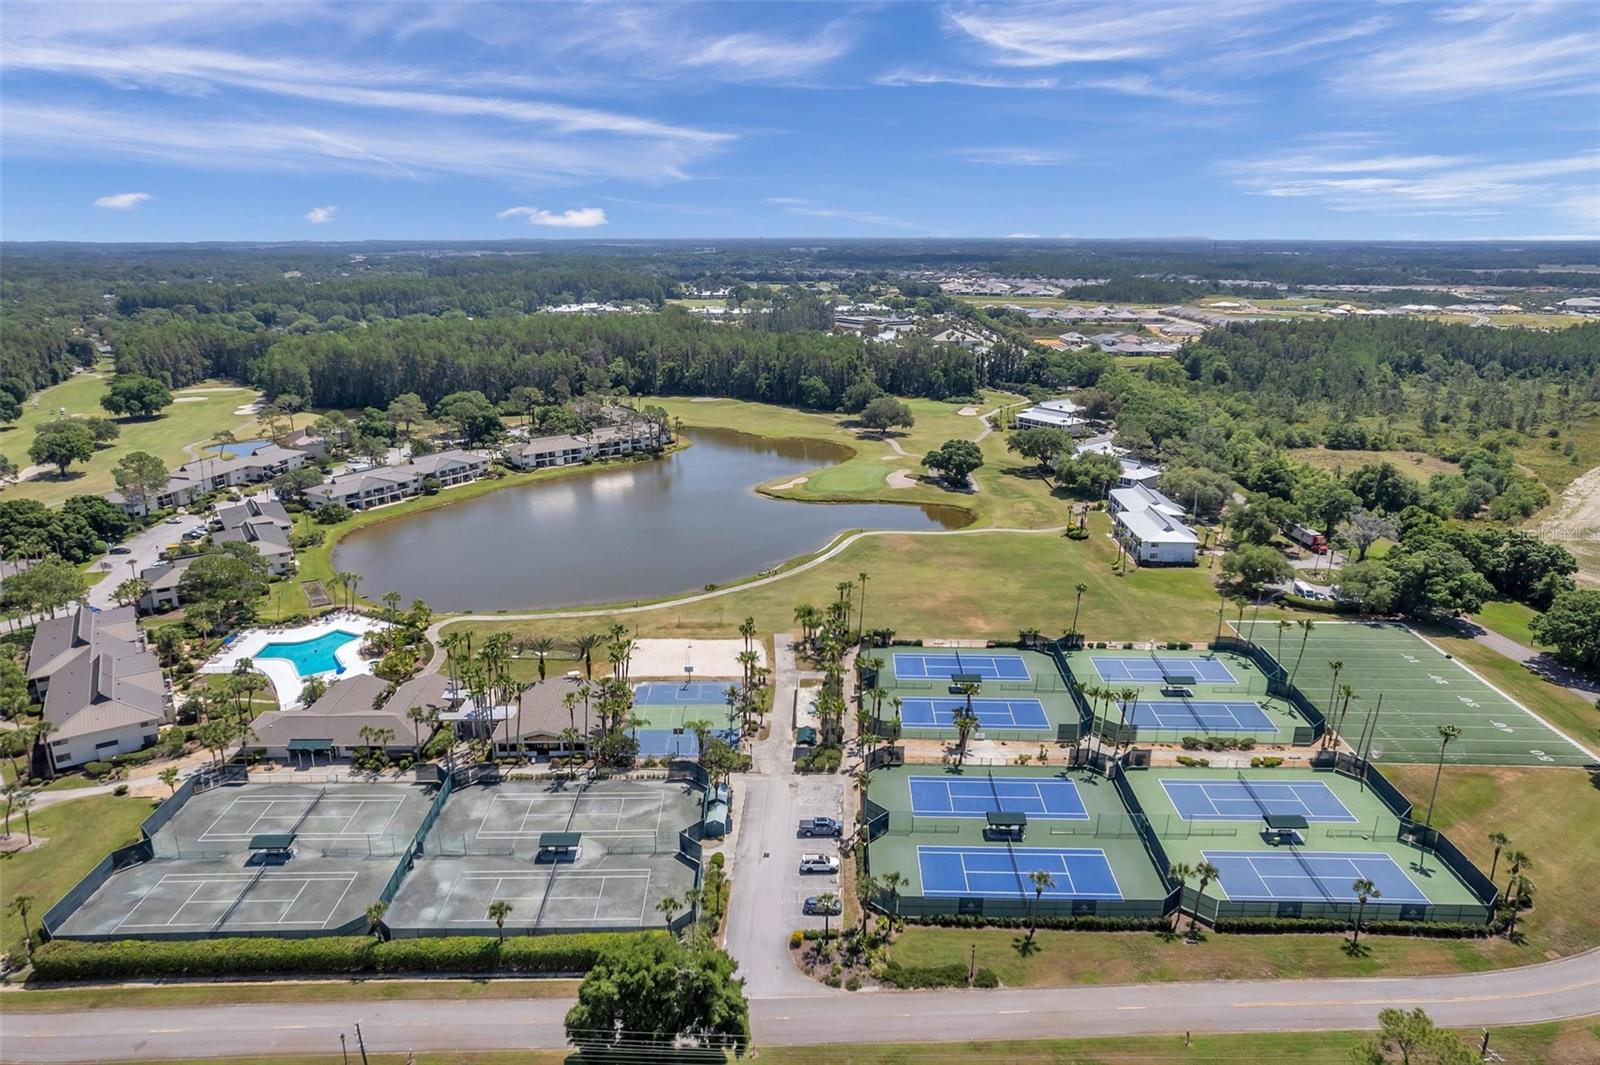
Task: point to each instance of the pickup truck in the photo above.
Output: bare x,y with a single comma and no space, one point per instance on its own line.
820,826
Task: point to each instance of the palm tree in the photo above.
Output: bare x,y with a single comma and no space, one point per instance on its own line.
1242,602
1446,734
1284,625
867,886
585,644
20,905
892,883
541,646
1516,862
1125,699
1206,872
1519,895
668,908
965,722
169,777
1364,889
499,910
861,621
374,915
1501,841
1306,625
1077,605
1042,881
418,715
1336,665
1181,873
24,803
825,902
391,605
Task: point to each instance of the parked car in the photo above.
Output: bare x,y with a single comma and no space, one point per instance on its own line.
818,863
119,550
820,826
815,908
174,520
195,534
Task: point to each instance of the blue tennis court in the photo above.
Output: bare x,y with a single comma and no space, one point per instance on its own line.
1042,798
664,743
1305,876
1152,669
991,713
692,693
1202,715
1236,800
944,666
1003,873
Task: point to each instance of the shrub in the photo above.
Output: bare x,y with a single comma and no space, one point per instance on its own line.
911,977
1193,763
120,790
331,513
1080,923
1191,743
853,984
1269,761
96,770
796,938
140,959
1283,925
985,978
719,859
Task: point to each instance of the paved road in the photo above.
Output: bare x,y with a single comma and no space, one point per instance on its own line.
1537,662
768,889
1551,991
146,550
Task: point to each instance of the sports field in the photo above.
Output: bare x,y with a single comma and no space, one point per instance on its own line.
485,849
1218,816
1187,693
667,708
1078,832
1021,694
208,879
1422,689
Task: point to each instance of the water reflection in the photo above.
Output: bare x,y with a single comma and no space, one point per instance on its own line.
615,535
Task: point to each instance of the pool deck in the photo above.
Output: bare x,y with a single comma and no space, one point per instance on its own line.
286,679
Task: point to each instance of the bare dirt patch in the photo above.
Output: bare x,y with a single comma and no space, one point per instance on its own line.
968,412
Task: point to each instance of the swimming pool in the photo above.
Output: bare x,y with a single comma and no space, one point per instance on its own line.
312,656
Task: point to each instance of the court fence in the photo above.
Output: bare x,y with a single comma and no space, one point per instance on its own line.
1278,685
144,850
1210,909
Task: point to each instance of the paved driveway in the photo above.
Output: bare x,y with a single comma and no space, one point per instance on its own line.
146,548
768,888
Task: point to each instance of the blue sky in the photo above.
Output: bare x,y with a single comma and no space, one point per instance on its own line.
1248,119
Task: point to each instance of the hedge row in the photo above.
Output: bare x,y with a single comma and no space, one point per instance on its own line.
913,977
1081,923
250,956
1280,925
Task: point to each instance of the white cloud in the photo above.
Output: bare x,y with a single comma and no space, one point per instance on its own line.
906,76
753,55
319,215
1054,34
572,218
122,201
812,209
1502,49
1422,184
1012,156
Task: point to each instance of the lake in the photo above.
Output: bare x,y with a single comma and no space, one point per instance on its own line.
620,534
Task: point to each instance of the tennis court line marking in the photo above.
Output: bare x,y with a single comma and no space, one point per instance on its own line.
1471,673
202,880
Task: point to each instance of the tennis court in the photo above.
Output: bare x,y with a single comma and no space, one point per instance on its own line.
324,814
200,902
1202,716
991,713
1422,689
1156,668
943,666
1251,800
996,873
1041,798
688,693
1309,876
486,848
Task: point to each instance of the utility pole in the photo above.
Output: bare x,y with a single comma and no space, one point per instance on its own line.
361,1044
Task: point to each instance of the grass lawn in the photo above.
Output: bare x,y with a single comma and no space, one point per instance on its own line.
1418,465
1553,467
1510,620
1542,810
80,833
191,419
1006,581
1559,1043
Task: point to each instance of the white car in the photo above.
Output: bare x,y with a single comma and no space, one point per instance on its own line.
818,863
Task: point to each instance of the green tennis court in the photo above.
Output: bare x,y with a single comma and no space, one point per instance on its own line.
1422,689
